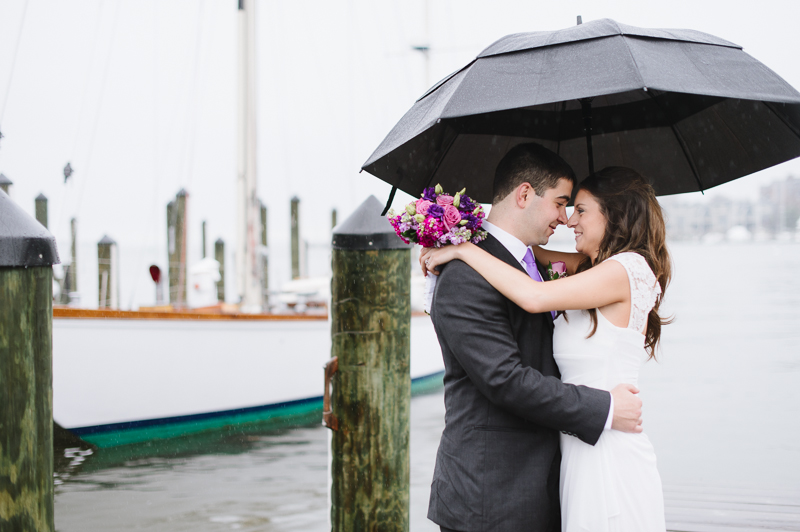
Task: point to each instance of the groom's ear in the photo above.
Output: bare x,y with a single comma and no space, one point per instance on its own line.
523,194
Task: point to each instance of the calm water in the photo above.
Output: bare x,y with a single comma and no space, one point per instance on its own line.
722,408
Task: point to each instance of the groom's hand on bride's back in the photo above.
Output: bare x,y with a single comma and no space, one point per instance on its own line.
627,408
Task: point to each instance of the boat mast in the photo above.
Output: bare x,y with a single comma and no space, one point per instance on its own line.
248,212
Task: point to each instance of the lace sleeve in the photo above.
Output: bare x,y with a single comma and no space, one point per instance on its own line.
644,287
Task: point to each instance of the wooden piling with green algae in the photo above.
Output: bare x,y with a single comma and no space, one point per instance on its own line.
371,395
5,184
40,208
219,256
264,256
294,213
176,243
27,253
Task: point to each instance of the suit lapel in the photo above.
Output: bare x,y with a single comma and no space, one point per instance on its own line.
492,246
495,248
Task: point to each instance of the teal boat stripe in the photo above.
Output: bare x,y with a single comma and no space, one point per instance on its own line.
266,417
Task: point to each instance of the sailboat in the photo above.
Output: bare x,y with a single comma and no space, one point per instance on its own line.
127,377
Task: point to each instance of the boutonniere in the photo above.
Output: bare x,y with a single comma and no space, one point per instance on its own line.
556,270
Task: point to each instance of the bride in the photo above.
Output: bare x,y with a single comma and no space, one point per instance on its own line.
608,325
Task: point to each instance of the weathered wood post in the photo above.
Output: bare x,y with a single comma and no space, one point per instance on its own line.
5,184
264,256
219,256
69,287
73,265
176,240
371,316
203,254
27,253
333,218
107,273
41,209
295,222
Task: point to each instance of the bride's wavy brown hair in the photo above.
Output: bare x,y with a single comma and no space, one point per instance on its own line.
634,222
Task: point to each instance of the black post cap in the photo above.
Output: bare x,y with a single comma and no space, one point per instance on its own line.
367,229
23,241
106,241
4,180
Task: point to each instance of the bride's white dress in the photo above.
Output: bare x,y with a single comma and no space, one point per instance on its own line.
613,486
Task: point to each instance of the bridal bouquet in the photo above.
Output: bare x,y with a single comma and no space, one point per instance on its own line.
438,219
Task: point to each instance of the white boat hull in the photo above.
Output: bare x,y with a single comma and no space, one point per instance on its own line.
128,373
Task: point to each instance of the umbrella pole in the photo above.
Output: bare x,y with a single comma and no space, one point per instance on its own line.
586,106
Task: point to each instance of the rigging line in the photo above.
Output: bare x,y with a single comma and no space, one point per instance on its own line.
13,62
681,142
184,122
87,77
193,107
103,84
70,187
156,174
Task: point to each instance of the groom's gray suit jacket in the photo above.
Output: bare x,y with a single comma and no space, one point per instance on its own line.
497,468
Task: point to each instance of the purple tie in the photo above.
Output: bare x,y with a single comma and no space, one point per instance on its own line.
533,271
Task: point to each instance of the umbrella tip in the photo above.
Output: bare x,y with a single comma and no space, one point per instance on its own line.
580,20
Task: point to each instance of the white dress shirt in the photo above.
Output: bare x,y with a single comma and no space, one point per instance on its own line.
518,249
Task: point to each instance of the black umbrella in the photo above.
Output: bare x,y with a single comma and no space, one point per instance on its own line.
686,109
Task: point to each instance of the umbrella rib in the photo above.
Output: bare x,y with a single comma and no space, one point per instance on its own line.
790,126
441,159
560,123
681,142
635,64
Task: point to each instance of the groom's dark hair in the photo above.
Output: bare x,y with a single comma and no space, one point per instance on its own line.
533,164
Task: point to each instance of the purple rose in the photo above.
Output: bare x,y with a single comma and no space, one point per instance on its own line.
437,211
451,217
429,194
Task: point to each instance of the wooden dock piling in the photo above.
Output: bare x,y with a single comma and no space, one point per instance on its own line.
41,209
107,273
264,256
5,184
72,274
295,223
203,254
176,240
69,286
26,371
371,316
219,256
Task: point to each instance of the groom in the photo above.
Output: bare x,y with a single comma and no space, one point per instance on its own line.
497,468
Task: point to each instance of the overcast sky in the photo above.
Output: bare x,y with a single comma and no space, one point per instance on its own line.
140,97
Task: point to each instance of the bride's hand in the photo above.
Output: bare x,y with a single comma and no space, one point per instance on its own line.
430,258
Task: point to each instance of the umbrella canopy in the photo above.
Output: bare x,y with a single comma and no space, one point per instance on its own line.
686,109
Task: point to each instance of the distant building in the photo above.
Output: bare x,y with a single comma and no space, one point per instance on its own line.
780,206
775,211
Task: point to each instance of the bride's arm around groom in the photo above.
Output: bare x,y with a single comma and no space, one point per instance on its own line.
497,467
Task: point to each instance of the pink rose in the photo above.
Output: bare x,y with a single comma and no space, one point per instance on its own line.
422,206
559,267
451,216
444,200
